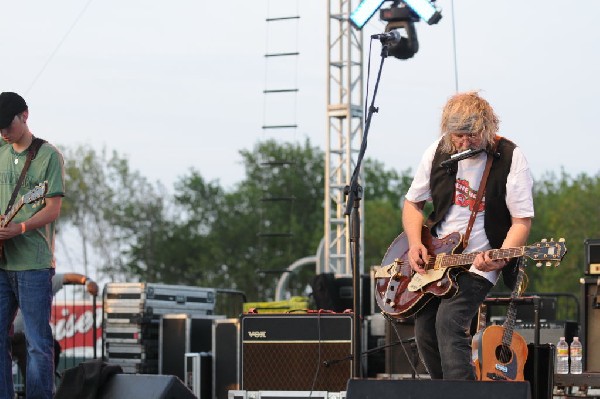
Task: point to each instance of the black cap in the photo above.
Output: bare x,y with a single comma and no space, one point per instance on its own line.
11,104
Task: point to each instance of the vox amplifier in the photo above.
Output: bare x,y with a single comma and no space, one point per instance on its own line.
296,352
592,256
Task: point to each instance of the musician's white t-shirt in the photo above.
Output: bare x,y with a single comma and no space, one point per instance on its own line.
519,198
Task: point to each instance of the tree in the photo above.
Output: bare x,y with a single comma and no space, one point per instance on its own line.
108,204
384,193
215,240
205,235
565,207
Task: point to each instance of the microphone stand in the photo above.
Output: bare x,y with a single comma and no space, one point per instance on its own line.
354,193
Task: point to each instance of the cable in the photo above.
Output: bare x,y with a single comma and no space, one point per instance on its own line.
60,43
402,342
312,386
454,48
367,86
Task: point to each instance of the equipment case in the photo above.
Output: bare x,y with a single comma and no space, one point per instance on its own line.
131,319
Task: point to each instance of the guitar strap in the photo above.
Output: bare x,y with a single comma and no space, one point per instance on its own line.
480,192
33,148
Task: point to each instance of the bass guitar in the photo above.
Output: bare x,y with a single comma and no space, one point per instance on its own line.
401,293
499,352
34,195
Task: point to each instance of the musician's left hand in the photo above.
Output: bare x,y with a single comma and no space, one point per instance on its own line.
11,230
484,263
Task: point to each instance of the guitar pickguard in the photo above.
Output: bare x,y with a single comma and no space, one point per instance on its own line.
419,281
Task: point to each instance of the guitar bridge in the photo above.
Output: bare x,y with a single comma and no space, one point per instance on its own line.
496,377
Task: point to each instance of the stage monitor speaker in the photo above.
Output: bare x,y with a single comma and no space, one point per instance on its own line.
145,386
590,323
592,256
296,352
427,389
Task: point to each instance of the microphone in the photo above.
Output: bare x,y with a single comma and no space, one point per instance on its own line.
388,37
460,156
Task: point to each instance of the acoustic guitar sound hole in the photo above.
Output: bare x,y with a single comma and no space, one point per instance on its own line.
503,354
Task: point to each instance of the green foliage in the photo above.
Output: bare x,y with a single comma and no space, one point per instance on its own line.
565,207
108,205
384,190
243,238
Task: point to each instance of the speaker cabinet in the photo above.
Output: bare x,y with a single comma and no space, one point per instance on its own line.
590,323
427,389
592,256
539,369
550,333
296,352
145,386
337,293
401,354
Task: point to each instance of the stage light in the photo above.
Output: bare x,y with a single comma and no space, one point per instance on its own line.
425,10
363,12
406,46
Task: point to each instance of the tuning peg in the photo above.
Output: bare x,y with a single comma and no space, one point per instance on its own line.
561,240
538,264
548,264
552,239
544,239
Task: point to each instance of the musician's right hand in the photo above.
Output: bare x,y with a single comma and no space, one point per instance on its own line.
418,258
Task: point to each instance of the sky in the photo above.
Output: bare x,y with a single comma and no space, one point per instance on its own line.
179,84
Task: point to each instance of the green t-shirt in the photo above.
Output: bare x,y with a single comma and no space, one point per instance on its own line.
35,248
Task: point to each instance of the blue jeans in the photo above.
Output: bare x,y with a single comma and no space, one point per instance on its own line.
442,329
31,291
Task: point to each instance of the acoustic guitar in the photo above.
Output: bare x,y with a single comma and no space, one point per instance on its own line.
499,352
401,293
35,194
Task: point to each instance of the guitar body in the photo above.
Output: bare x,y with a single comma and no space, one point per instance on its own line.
493,361
392,291
401,293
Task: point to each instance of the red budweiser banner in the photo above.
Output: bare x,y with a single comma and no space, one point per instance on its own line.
72,324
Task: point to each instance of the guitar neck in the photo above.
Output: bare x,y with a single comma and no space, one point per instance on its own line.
467,259
11,213
511,314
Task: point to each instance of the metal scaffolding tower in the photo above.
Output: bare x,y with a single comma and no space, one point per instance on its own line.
344,136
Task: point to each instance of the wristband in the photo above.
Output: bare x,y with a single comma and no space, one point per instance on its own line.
23,228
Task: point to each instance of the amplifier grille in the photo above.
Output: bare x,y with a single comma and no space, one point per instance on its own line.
297,352
296,366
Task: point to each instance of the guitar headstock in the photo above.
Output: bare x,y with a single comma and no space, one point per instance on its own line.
36,194
547,251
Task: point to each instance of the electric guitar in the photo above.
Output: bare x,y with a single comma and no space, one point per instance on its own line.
35,194
499,352
401,293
